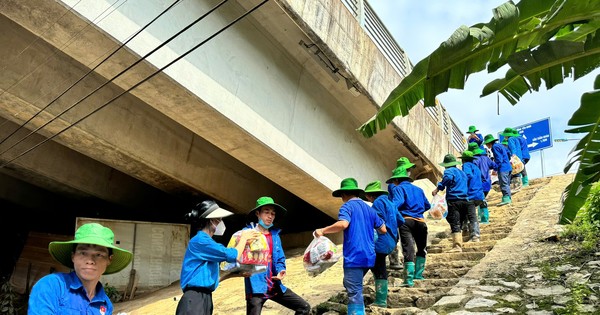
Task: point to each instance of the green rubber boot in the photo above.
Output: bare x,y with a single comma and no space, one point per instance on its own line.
409,274
525,181
419,268
356,309
381,292
484,216
505,201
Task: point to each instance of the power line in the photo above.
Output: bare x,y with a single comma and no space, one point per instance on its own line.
85,75
141,82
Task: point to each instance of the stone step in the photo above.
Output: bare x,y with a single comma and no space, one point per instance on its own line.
434,258
434,273
426,283
473,247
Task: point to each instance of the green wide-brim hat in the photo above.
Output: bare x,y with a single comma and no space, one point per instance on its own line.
508,132
504,141
347,184
399,173
449,160
96,234
375,188
489,138
515,132
266,201
472,129
467,155
404,162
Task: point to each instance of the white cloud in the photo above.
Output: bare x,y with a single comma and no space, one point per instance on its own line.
419,28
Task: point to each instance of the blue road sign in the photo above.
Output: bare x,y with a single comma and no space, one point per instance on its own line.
538,134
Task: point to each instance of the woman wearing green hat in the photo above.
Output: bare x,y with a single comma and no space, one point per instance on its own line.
267,285
91,254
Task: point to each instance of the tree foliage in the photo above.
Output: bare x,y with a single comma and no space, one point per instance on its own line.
542,42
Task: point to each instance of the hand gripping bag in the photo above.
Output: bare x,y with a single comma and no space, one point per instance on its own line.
439,207
320,254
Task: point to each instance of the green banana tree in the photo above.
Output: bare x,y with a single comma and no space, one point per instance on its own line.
540,41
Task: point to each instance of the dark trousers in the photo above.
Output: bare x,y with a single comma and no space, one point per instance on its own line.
413,233
195,303
379,270
458,209
288,299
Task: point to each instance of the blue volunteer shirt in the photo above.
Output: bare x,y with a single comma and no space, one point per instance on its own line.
514,147
474,181
478,141
485,164
524,148
410,200
200,268
385,209
501,158
456,181
63,293
359,244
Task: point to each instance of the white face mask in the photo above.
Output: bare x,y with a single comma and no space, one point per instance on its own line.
219,228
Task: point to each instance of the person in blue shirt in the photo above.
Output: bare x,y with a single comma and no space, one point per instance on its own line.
91,254
485,165
411,202
405,163
475,137
474,193
267,285
200,267
357,220
385,242
455,181
514,148
526,156
502,160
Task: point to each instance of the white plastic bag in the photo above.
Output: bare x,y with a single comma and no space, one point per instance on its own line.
439,207
517,165
320,254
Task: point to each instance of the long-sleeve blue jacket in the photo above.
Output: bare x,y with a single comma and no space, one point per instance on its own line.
514,147
474,183
385,209
410,200
257,283
501,158
485,164
524,149
456,181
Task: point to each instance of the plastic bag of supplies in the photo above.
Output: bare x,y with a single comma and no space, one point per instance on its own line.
517,165
439,207
320,254
254,257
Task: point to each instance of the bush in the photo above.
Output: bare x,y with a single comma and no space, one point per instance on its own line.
10,301
113,294
586,226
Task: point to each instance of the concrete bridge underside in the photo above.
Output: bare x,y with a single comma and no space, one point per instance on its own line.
153,152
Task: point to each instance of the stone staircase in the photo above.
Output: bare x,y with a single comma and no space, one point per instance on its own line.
443,270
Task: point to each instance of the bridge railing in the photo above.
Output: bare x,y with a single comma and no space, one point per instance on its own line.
396,56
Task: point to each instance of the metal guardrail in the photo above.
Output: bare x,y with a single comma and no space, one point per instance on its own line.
396,56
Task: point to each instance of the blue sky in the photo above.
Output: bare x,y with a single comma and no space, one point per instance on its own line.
419,27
